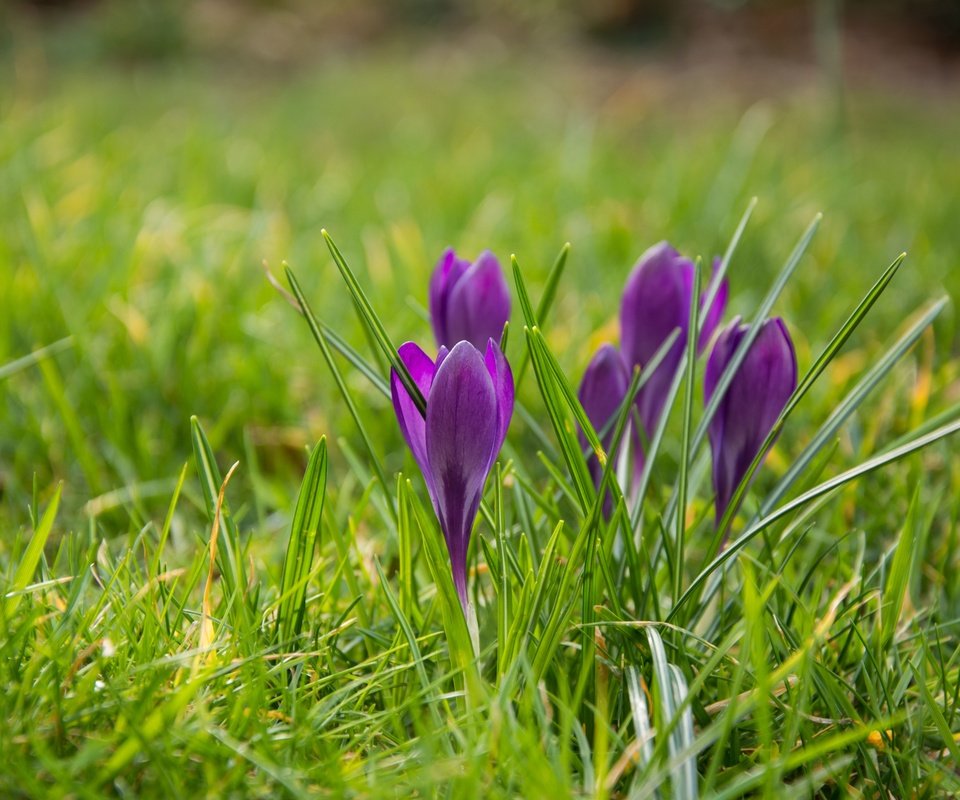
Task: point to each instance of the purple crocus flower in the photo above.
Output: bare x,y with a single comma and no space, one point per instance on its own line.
656,301
468,302
754,399
469,404
602,390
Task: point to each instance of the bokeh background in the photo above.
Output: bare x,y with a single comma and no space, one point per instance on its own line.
154,154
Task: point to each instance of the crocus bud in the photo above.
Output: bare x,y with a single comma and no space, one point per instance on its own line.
469,405
754,399
656,301
468,302
602,390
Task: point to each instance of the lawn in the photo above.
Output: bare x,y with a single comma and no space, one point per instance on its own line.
817,657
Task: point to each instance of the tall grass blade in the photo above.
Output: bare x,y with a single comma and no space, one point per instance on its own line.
536,319
825,357
373,324
27,566
229,559
850,403
641,719
871,465
898,579
687,421
302,545
317,332
566,435
29,360
666,712
762,312
716,279
686,776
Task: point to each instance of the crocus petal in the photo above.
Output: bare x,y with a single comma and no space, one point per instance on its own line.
656,301
602,390
462,427
438,294
757,394
478,304
502,378
604,386
446,274
412,423
723,350
442,353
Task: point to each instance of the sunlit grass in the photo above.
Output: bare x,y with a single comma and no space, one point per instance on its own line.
135,212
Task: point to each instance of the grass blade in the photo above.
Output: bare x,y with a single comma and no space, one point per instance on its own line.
850,403
302,545
554,401
686,773
825,357
546,300
29,360
895,588
875,463
373,324
31,556
317,332
231,564
763,311
691,362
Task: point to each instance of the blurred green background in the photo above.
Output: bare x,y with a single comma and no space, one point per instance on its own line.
154,154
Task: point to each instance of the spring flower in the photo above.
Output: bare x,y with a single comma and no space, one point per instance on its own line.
602,390
468,302
656,301
754,399
469,404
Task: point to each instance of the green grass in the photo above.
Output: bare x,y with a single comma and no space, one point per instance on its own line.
817,656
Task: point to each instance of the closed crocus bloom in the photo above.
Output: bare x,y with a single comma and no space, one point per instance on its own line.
469,399
468,302
602,390
656,301
754,399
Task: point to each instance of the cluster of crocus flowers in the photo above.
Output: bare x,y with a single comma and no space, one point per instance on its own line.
656,302
468,394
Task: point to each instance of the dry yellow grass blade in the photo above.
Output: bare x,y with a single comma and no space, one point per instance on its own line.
205,646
